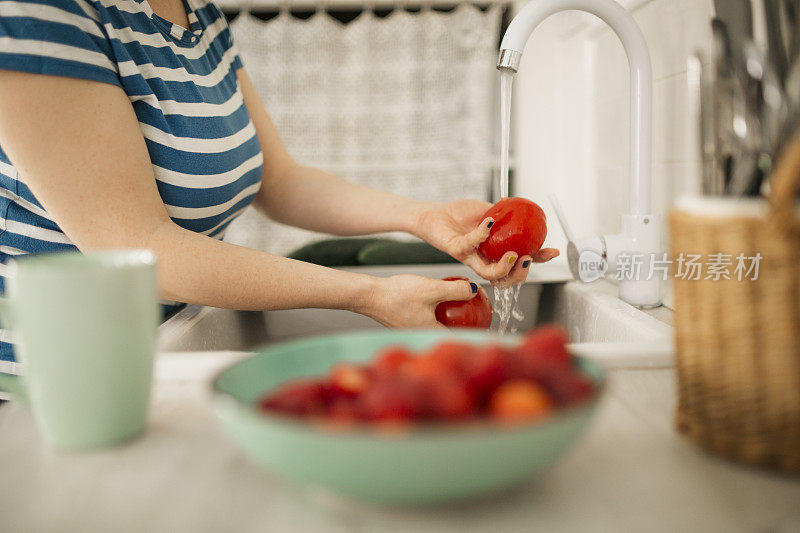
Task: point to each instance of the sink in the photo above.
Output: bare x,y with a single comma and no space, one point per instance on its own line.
197,328
601,326
593,313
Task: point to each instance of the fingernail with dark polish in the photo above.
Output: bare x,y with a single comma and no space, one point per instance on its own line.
490,224
526,263
474,288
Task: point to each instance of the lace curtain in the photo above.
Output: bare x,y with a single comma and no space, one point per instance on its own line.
403,103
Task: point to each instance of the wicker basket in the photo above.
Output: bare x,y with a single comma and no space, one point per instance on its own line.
738,342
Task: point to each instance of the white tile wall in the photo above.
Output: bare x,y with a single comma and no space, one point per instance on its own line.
571,112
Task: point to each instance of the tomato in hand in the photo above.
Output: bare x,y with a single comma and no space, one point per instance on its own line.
519,226
473,313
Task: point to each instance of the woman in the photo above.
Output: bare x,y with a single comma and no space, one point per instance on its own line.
126,124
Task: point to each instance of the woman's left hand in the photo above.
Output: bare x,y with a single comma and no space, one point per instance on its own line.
458,228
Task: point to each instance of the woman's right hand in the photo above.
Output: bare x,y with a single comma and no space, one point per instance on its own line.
406,301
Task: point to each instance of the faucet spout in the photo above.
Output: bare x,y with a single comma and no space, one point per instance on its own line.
641,77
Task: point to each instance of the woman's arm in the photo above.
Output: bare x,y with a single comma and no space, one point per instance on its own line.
316,200
80,149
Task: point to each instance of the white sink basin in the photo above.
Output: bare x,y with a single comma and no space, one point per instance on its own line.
593,313
606,329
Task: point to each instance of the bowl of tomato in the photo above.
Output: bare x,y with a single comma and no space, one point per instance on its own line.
409,417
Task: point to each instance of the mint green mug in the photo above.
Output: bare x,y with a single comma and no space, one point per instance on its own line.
85,326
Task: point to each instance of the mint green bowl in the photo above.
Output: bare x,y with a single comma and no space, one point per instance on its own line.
423,465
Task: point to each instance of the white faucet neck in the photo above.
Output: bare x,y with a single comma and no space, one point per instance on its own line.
641,78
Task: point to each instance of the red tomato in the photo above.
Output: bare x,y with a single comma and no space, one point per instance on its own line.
390,360
449,398
425,368
390,399
473,313
451,355
343,410
348,379
301,397
488,368
518,400
443,360
519,226
546,342
569,387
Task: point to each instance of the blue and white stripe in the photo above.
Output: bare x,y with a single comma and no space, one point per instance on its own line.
182,84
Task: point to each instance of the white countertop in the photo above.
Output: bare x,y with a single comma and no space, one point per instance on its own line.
629,472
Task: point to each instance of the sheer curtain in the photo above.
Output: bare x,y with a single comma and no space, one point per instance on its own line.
403,103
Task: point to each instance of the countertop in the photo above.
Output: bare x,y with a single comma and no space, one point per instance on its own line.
629,472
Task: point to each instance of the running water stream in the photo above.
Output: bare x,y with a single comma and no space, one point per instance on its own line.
506,297
506,85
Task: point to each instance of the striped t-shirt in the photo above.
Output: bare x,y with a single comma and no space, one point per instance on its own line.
182,85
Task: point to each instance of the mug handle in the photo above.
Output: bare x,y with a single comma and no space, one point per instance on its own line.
9,382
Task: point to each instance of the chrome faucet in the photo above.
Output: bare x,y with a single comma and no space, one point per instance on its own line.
631,252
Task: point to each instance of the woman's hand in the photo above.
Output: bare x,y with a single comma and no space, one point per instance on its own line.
457,228
406,301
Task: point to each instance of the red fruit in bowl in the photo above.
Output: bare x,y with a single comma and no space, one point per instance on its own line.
539,369
387,400
519,400
343,410
473,313
423,368
546,342
519,226
569,387
446,359
390,360
487,369
348,379
450,399
297,398
451,355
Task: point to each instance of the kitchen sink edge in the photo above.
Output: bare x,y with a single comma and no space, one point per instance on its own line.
604,327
